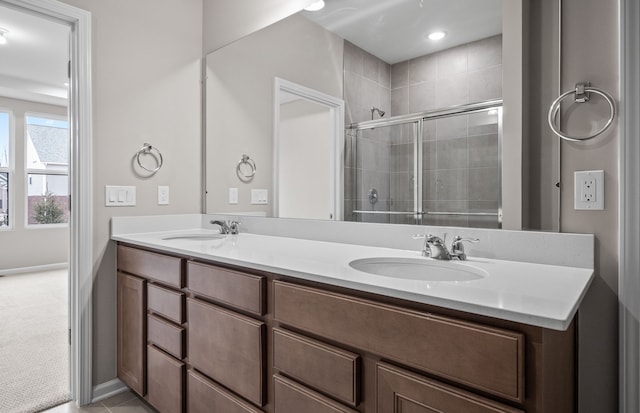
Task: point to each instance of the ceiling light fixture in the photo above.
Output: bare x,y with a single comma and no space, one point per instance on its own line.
315,6
437,35
3,40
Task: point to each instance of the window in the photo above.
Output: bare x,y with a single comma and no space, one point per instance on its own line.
5,165
47,168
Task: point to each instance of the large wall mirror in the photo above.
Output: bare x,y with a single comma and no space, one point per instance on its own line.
435,132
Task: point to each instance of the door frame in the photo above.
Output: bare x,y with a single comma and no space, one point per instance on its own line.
336,107
629,208
80,177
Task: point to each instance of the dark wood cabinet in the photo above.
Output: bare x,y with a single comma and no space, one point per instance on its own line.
201,337
165,381
131,308
228,347
293,397
205,396
399,391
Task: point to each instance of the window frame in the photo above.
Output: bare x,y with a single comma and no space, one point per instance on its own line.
10,169
35,171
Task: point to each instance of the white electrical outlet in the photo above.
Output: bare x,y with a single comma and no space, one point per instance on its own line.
233,196
589,190
163,195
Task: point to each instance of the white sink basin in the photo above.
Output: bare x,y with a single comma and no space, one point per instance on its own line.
425,269
195,237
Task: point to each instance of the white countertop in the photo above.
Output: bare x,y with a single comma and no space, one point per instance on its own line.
537,294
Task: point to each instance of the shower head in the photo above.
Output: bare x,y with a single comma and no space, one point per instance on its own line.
380,112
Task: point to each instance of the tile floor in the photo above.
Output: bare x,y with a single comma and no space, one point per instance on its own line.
126,402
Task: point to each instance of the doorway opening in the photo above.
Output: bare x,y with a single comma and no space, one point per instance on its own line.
34,211
77,70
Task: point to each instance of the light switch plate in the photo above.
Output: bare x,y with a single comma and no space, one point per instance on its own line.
233,196
259,196
163,195
588,190
119,196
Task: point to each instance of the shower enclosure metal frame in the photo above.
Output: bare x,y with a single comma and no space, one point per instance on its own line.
418,120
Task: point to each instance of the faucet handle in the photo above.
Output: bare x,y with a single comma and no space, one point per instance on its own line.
434,239
457,246
233,227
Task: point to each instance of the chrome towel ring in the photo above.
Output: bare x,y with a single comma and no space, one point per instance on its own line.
147,149
244,174
581,93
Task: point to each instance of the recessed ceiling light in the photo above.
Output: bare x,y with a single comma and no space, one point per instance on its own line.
3,39
315,6
436,35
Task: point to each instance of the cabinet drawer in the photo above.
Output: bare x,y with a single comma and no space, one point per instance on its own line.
165,381
165,335
204,396
228,347
323,367
243,291
167,303
485,358
293,397
400,391
159,267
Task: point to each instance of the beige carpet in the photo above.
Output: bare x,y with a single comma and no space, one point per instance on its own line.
34,350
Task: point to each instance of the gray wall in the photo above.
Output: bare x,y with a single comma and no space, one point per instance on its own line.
146,88
591,53
21,246
240,90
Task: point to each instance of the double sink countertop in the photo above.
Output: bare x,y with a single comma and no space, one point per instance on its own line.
536,294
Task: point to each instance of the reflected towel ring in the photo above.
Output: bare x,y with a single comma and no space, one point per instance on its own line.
246,160
581,93
147,149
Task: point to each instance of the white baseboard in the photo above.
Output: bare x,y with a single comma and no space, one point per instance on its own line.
37,268
108,389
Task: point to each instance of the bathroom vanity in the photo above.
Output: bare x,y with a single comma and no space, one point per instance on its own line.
203,326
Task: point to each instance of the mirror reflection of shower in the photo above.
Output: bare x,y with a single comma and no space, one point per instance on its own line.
380,112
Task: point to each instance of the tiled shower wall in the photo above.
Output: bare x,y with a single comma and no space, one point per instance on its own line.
367,84
461,170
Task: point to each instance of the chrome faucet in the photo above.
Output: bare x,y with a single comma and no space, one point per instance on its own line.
436,248
227,227
457,247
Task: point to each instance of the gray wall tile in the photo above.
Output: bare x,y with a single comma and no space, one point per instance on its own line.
400,75
451,127
452,154
485,53
422,96
485,84
483,151
400,101
423,69
370,67
453,90
452,61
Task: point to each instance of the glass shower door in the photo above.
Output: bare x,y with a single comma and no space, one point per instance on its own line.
382,167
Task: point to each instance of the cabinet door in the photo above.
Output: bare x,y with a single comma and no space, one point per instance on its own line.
228,347
166,381
400,391
131,332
